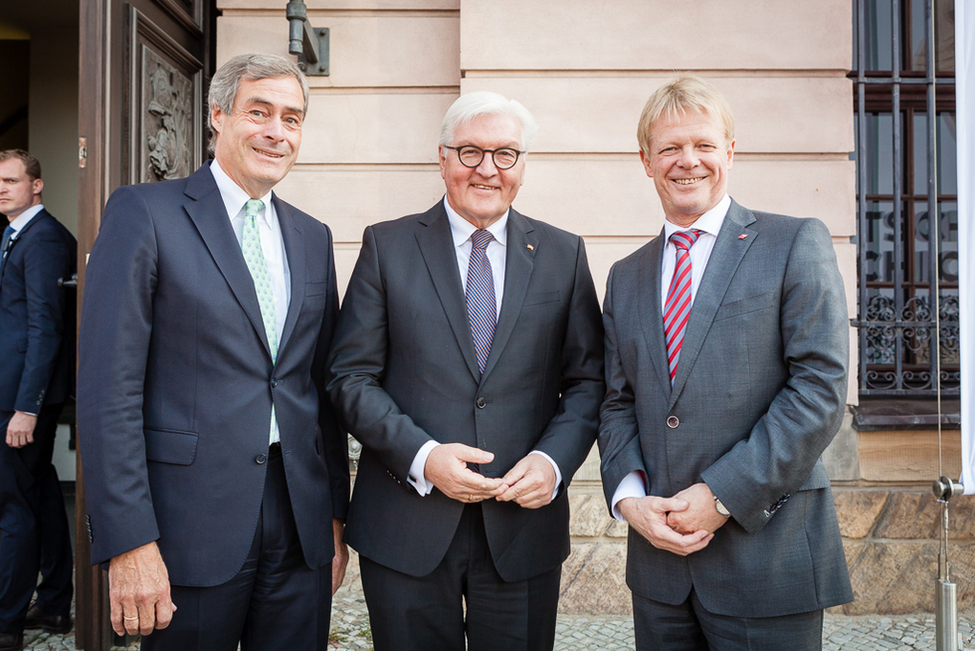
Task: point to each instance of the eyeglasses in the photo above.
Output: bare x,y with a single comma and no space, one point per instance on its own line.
471,156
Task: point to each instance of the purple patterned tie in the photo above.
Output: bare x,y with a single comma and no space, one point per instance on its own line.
482,308
677,307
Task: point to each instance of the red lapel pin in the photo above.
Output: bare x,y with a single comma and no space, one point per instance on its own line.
743,236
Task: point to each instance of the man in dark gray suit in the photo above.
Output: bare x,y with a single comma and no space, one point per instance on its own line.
726,367
468,362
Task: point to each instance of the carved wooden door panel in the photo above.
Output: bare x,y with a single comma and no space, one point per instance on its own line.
143,72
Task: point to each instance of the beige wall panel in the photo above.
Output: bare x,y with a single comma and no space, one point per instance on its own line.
346,253
373,128
615,197
642,35
772,114
365,51
346,5
603,252
811,188
348,200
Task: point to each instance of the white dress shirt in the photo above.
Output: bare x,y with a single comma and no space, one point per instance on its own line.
272,244
22,220
461,231
634,484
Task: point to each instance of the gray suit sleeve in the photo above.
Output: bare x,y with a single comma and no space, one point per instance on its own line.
619,440
570,434
356,368
762,470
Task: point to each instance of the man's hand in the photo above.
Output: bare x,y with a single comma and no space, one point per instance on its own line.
20,429
138,589
648,515
531,482
446,468
341,558
700,513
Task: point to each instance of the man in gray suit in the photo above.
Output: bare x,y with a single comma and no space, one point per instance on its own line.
726,366
468,361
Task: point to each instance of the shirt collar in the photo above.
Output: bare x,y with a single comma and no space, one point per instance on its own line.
461,229
21,220
232,194
710,222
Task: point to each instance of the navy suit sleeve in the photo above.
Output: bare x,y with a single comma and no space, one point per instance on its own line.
114,341
570,434
46,260
334,437
784,445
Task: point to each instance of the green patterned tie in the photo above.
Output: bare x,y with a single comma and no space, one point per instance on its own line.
254,257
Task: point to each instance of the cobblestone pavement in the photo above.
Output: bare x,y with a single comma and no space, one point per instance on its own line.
350,631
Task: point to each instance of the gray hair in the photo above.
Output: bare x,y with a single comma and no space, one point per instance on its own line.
480,103
252,67
678,96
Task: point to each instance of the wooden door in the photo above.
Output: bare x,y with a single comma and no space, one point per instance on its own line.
143,70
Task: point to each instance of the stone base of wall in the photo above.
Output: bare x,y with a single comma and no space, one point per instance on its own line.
891,539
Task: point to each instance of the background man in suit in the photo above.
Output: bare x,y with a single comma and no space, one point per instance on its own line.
211,456
473,412
726,358
36,377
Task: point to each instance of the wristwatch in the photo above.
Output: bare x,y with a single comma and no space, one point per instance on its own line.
721,508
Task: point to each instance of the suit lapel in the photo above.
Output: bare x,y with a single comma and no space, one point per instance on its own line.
294,244
728,251
206,209
651,317
437,248
519,263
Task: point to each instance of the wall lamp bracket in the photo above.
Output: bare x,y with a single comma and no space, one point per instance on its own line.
310,44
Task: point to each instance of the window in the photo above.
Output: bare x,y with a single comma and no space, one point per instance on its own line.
904,102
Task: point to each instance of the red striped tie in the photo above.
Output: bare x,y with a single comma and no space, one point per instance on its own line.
677,307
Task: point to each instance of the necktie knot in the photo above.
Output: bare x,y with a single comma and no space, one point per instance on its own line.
480,239
252,207
685,239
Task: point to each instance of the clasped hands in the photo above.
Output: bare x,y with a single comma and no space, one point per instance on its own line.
682,524
530,483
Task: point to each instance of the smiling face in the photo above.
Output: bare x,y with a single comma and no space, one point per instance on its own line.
18,191
257,142
481,195
689,161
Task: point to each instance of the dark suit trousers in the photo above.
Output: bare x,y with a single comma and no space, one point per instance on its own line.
33,526
274,603
690,627
427,613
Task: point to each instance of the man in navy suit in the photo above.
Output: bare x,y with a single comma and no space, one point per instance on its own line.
37,349
216,477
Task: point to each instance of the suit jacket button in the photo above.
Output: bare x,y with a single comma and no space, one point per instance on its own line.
274,383
260,459
481,402
673,422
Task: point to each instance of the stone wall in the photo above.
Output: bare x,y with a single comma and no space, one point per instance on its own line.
890,537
